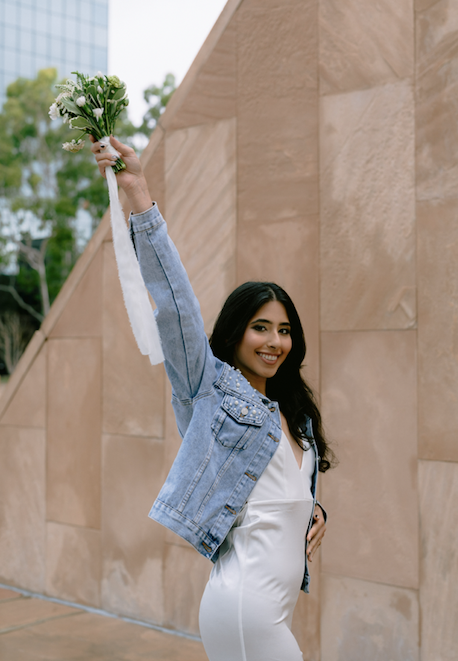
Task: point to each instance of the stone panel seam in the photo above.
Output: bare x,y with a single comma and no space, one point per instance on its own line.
99,611
370,580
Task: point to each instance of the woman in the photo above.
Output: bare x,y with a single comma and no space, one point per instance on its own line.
242,487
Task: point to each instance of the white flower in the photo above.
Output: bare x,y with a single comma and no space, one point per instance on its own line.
99,74
62,95
54,111
80,101
98,112
99,89
73,146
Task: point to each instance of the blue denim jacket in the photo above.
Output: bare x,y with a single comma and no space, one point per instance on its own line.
229,430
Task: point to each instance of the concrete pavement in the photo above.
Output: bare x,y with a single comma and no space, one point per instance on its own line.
34,629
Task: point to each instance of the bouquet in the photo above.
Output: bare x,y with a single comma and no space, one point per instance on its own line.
90,105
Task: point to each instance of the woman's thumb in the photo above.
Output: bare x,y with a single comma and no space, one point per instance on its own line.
119,146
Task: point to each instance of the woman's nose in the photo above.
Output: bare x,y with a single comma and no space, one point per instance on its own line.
274,339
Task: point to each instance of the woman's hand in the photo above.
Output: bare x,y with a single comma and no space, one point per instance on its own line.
131,180
316,532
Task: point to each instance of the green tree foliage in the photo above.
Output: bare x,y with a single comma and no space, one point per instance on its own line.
43,190
157,98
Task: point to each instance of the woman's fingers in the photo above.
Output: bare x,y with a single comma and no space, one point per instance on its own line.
316,533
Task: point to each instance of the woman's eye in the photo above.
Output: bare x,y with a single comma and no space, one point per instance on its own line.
285,331
259,328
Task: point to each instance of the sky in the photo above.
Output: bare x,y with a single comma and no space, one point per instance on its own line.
150,38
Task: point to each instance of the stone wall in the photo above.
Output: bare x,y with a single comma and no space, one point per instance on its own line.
313,143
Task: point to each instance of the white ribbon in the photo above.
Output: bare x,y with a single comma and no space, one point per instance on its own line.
134,292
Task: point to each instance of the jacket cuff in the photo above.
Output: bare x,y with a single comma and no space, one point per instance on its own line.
325,514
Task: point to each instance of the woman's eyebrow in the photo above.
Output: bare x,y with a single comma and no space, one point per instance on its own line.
267,321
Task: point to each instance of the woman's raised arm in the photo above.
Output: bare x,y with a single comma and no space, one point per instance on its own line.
189,360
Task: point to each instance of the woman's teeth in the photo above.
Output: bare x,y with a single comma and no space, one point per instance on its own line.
268,357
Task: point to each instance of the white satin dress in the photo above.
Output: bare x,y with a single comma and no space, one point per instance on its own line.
247,607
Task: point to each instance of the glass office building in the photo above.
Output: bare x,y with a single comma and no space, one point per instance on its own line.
66,34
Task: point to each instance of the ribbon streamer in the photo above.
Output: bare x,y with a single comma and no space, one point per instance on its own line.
134,292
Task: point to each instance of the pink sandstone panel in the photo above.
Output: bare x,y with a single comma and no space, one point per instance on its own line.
82,315
355,50
200,175
277,114
364,621
368,209
438,484
370,412
22,507
436,93
438,329
132,544
133,389
74,431
28,406
73,563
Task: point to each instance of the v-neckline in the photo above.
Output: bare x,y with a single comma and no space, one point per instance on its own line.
292,452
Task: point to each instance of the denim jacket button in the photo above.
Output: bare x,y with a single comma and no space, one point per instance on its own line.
244,411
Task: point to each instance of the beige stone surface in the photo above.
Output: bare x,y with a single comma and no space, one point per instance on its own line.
32,350
25,611
438,482
436,91
53,632
287,253
28,406
73,563
306,619
132,543
74,431
369,406
368,209
5,594
82,315
185,577
173,439
277,110
355,52
212,95
200,171
154,169
133,399
22,507
364,621
438,329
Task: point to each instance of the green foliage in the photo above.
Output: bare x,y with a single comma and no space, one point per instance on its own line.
43,187
157,98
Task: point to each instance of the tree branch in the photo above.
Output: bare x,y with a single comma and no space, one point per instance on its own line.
23,304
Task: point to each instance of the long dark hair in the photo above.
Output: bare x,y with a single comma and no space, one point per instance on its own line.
287,387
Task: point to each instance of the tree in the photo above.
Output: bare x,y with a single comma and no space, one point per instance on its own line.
157,98
44,193
43,188
15,333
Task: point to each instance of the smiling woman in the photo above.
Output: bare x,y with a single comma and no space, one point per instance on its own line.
242,489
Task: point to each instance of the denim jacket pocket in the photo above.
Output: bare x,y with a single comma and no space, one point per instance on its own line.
236,422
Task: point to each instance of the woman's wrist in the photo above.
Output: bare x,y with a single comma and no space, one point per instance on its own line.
139,197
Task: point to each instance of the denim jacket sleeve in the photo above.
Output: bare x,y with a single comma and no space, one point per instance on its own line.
189,360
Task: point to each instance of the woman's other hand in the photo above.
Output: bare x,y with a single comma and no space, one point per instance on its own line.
316,532
131,180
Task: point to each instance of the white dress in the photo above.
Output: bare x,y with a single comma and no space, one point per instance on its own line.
247,607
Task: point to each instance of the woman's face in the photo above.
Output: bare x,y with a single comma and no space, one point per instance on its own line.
264,345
